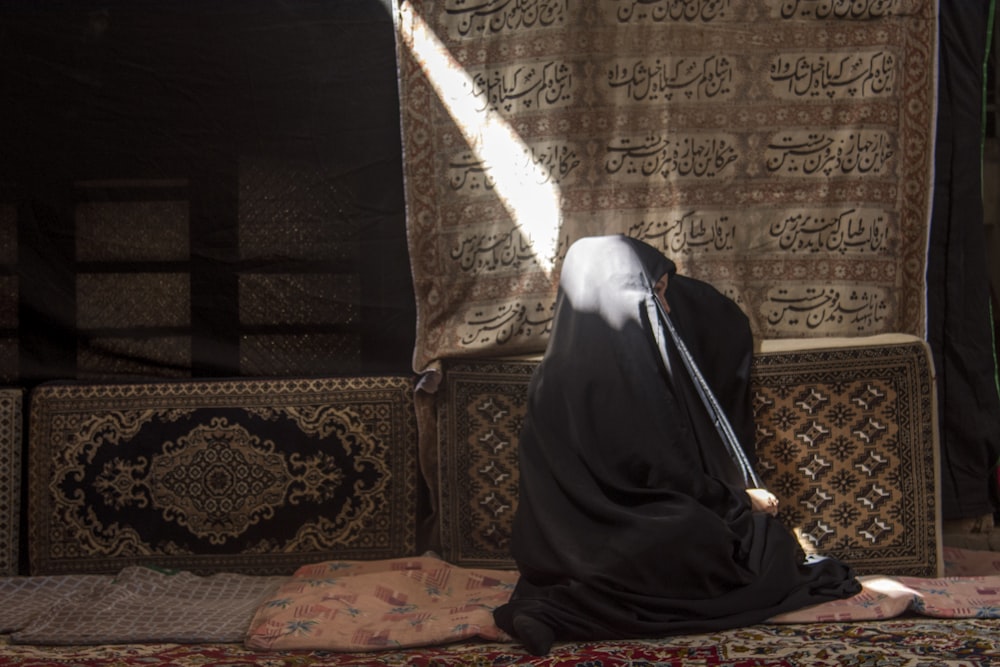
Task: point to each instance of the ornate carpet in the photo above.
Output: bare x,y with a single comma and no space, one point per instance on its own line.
910,642
778,149
480,406
424,611
845,438
10,479
249,476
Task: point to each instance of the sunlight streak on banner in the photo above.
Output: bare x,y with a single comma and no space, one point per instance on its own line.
533,203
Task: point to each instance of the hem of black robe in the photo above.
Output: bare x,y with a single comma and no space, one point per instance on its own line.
569,621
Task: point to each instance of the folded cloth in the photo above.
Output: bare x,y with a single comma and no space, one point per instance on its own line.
27,598
374,605
142,605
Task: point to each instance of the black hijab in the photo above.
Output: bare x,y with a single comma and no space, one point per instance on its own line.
632,520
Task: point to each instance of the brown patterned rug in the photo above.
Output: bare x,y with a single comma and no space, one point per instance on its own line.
481,405
778,149
845,439
10,478
249,476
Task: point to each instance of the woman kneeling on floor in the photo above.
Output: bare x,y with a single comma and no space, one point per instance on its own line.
634,518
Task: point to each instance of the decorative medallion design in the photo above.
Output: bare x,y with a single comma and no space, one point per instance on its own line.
217,481
252,476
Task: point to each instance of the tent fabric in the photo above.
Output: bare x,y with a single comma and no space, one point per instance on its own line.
959,329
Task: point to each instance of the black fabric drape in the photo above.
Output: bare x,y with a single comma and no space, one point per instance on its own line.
958,295
200,189
631,519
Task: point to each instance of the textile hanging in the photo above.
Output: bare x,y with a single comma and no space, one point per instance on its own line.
200,189
958,281
780,150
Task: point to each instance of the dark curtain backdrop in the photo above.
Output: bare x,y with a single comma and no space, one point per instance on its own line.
958,287
200,189
215,189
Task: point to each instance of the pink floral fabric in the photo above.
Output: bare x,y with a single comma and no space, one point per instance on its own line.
971,590
408,602
360,606
880,598
970,563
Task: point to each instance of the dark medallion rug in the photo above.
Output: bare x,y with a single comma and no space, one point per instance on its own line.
250,476
845,438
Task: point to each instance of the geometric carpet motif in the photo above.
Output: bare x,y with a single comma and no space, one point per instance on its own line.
845,439
481,405
249,476
10,479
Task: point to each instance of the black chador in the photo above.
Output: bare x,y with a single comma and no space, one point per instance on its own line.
633,518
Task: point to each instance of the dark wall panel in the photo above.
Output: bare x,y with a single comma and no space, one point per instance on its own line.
200,189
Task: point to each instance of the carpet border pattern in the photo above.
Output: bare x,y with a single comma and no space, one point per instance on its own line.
908,446
11,440
488,456
377,410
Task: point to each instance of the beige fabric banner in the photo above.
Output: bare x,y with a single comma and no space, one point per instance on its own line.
778,149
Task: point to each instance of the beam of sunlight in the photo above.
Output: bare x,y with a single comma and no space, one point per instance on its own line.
533,203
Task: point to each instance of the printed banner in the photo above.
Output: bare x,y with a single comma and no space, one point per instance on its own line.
778,149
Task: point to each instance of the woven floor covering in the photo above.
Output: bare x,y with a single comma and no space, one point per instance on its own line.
778,149
358,608
845,438
909,642
10,478
250,476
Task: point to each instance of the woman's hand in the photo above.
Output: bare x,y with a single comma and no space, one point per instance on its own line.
763,500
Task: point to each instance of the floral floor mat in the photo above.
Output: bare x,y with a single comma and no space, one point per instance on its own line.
422,611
